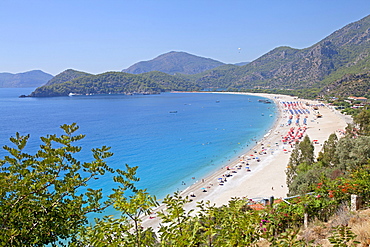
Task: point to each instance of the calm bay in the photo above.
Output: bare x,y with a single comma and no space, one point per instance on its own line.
174,138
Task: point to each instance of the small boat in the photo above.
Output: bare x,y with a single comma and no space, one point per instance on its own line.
217,101
173,111
74,94
264,101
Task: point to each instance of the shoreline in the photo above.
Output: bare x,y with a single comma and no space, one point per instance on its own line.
254,165
256,178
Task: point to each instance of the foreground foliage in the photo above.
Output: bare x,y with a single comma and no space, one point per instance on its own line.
46,197
40,202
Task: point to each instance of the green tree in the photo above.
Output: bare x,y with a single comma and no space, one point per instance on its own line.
126,230
230,225
353,152
307,151
328,155
45,198
178,227
294,161
300,161
362,120
236,225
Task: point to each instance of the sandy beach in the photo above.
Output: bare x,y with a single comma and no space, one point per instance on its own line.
260,172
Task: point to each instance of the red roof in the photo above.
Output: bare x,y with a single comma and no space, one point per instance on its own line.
259,206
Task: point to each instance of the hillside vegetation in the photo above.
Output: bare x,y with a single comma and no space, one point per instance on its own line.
111,83
350,85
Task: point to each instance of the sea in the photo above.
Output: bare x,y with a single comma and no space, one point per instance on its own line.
175,139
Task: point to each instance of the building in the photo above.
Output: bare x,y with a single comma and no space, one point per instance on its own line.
361,99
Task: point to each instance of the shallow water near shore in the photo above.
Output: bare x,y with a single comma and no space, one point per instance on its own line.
176,139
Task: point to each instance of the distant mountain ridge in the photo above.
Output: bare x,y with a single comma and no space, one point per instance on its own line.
34,78
317,68
174,62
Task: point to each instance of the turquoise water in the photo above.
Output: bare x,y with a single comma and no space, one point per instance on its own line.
172,137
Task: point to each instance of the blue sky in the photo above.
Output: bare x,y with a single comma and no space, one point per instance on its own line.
96,36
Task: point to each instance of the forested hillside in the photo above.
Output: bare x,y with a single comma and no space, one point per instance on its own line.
112,83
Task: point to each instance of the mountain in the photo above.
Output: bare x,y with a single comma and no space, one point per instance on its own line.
344,51
34,78
174,62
